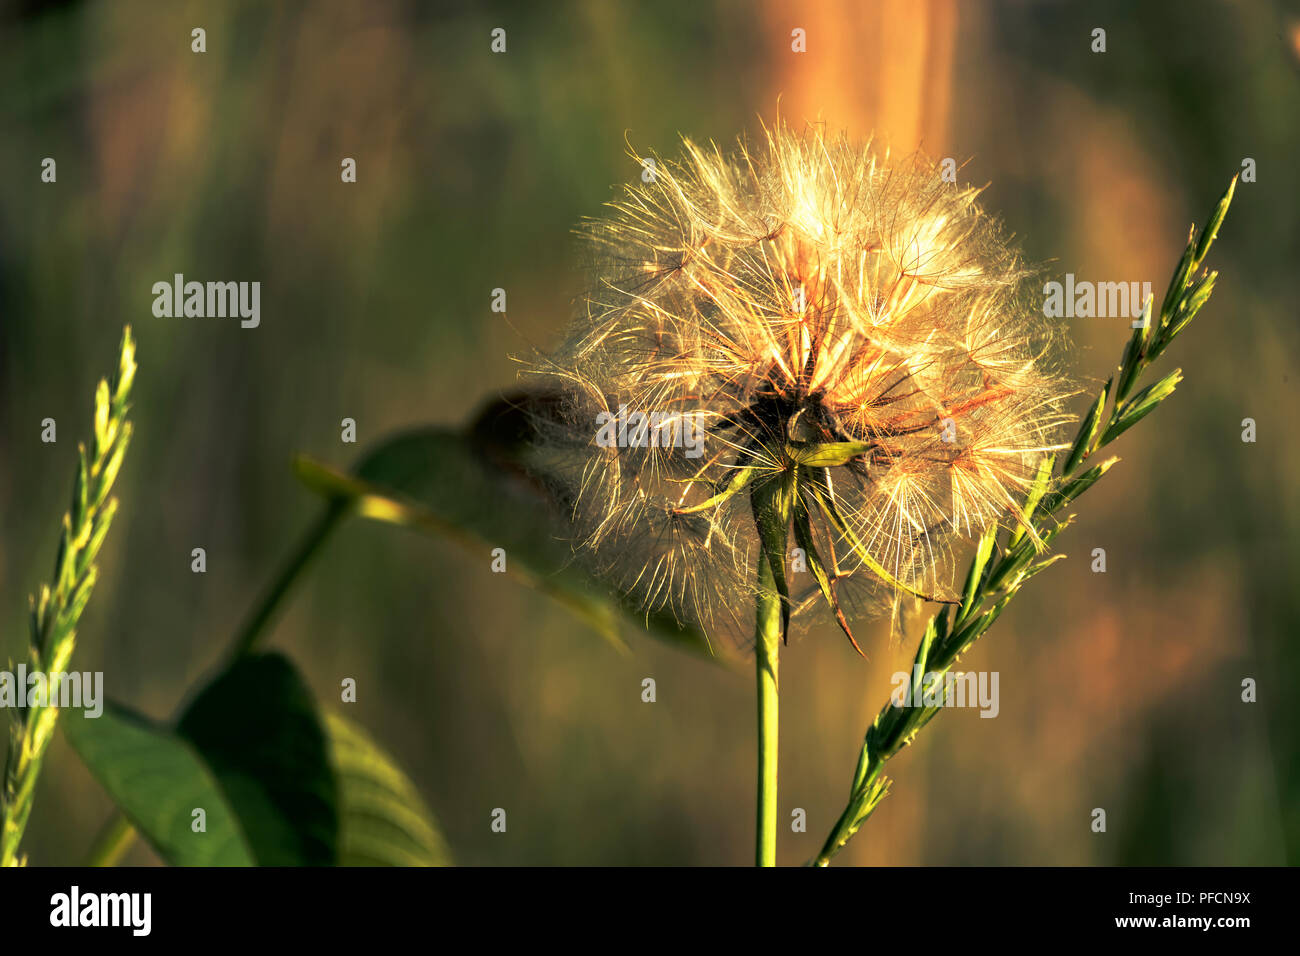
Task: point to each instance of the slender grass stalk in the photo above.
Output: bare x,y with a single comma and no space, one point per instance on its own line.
767,649
998,571
57,609
250,635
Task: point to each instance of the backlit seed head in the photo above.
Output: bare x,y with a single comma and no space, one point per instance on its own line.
808,312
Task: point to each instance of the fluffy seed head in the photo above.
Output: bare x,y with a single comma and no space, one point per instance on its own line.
810,313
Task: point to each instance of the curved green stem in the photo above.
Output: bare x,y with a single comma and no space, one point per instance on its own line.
307,548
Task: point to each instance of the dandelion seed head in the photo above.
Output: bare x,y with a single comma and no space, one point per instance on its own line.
807,290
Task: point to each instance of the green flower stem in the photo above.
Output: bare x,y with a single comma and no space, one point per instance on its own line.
251,633
767,649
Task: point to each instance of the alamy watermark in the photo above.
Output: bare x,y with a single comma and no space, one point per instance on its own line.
132,911
1085,300
79,690
634,429
948,689
211,300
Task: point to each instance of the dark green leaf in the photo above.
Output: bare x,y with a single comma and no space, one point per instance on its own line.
157,780
440,482
382,819
256,727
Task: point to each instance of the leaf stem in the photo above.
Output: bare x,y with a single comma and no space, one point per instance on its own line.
112,842
250,634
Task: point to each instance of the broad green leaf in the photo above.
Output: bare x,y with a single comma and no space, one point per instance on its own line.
441,482
257,728
382,819
157,780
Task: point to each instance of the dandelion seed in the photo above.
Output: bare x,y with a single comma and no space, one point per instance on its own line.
853,339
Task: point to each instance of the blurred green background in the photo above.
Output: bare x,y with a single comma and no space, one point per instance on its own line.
1119,691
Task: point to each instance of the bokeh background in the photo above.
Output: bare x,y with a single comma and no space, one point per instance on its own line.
1118,690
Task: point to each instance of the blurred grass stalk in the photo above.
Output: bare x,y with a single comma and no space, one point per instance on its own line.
55,613
998,581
